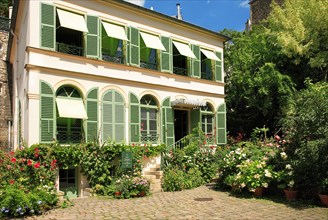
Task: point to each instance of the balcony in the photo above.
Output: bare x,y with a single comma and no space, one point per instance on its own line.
111,58
149,138
69,49
73,136
207,75
180,71
151,66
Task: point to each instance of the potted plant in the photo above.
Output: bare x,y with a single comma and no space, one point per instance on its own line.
141,185
323,193
255,175
287,182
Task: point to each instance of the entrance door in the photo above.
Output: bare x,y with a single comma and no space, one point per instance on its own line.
68,182
180,124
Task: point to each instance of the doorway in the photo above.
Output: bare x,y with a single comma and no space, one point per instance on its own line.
180,124
68,182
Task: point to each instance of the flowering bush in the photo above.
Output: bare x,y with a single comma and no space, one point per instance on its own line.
130,186
254,174
286,178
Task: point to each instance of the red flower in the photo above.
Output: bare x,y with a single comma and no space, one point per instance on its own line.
133,144
37,165
11,153
204,142
12,182
212,147
145,145
13,160
21,169
277,138
29,162
36,155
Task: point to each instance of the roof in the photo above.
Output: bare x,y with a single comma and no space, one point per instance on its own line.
122,3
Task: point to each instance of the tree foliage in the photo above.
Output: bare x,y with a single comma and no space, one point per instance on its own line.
267,65
4,7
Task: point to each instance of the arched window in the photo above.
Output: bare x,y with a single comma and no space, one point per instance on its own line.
207,115
70,112
149,116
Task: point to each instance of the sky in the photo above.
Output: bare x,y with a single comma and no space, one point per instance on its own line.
214,15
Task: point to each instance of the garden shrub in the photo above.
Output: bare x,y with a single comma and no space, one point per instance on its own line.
173,179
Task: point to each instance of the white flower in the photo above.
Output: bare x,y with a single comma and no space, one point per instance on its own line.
267,173
259,166
283,155
290,173
291,183
242,185
288,167
244,155
257,176
265,185
238,151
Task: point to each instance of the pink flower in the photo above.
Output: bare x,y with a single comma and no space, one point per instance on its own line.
269,145
277,138
13,160
36,155
8,167
37,165
11,153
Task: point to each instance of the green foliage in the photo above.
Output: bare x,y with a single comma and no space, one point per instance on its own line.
173,179
128,186
4,8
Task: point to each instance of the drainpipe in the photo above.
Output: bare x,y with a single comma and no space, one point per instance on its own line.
9,122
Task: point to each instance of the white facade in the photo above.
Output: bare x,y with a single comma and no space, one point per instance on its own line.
33,64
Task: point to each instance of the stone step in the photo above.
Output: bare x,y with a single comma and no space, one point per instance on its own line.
152,177
157,173
155,181
155,169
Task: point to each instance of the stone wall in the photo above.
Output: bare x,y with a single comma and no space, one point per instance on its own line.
260,9
5,101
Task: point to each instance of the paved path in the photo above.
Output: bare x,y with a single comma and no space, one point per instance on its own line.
184,205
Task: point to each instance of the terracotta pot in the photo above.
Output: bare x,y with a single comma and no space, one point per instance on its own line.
258,192
324,199
142,193
291,194
118,193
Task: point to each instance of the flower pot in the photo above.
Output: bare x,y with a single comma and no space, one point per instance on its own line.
142,194
258,192
117,193
290,194
324,199
235,188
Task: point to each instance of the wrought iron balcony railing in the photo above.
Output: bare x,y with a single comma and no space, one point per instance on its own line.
207,75
111,58
180,71
149,138
69,49
152,66
68,137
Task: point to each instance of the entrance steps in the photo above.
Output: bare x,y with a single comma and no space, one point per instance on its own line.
154,175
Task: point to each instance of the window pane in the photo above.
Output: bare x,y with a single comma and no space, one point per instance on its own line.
143,113
152,125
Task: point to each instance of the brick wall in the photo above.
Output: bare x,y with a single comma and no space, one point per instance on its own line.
260,9
5,103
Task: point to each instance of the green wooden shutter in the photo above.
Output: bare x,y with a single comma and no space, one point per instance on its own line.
218,68
221,125
134,47
107,116
119,115
166,56
92,111
168,122
196,70
47,113
92,49
48,26
134,119
127,47
195,118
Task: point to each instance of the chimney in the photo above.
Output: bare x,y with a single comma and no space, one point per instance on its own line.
179,16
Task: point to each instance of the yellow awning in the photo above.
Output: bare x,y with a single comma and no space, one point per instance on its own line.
72,21
71,108
115,31
152,41
210,55
184,49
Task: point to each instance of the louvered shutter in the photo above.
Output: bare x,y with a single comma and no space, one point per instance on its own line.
168,122
92,43
92,112
218,68
48,26
221,125
196,72
134,46
195,118
166,56
47,114
134,119
118,118
107,116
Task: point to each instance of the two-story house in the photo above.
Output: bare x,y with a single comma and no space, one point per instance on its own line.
112,71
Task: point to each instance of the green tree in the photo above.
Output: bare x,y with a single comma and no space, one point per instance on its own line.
300,30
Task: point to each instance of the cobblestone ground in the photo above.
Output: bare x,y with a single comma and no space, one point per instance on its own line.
200,203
